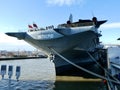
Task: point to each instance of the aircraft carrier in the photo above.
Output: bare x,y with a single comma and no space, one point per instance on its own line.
77,41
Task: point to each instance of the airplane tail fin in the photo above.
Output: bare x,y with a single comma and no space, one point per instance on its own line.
98,23
118,39
35,25
30,26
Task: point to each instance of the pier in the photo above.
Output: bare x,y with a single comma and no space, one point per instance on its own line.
113,68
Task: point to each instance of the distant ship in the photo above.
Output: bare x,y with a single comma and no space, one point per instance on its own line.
72,40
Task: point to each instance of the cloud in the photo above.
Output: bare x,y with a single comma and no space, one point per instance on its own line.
11,40
7,42
111,25
63,2
12,28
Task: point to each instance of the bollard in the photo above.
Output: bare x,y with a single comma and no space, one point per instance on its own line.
3,70
10,71
18,70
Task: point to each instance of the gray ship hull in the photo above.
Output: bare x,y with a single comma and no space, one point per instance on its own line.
85,41
72,47
71,40
82,59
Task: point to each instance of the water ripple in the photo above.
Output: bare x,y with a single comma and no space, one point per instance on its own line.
26,85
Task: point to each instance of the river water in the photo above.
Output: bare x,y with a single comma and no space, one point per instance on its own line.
39,74
35,74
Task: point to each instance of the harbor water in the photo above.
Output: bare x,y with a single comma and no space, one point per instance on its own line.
39,74
35,74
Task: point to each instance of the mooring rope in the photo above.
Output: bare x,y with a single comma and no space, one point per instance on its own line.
81,68
101,66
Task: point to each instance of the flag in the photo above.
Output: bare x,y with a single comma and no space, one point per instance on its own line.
35,25
30,26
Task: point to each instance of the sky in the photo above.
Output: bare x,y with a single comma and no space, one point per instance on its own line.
15,15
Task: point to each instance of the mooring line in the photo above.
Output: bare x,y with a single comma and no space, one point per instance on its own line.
81,68
101,66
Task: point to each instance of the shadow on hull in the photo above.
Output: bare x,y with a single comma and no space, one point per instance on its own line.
70,70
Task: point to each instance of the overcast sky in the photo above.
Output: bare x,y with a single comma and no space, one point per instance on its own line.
15,15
